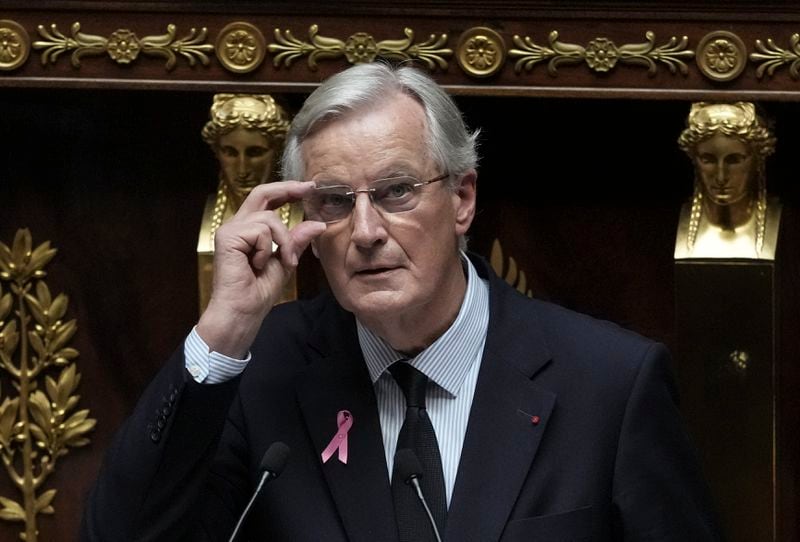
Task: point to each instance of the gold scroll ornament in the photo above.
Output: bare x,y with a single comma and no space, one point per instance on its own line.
246,132
358,48
601,54
39,423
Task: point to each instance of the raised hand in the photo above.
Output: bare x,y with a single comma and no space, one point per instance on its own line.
248,275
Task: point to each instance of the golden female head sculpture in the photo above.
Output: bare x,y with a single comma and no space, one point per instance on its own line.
246,133
728,144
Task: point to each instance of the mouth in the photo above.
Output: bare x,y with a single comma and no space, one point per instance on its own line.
374,271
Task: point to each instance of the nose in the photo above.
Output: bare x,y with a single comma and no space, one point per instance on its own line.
367,223
721,176
242,169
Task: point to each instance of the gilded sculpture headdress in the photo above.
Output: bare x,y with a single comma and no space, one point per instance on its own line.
737,120
257,112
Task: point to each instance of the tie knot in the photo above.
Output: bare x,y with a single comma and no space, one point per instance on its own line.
411,381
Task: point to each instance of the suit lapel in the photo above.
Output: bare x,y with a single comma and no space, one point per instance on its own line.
508,417
338,380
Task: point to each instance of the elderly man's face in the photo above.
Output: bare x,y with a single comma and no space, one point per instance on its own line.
384,267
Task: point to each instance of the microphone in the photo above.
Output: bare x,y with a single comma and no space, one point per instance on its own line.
271,466
408,467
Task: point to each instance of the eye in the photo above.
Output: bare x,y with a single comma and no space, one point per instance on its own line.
735,158
397,190
707,158
229,151
256,152
334,200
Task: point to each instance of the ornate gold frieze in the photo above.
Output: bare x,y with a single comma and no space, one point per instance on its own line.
359,47
40,423
772,57
721,56
15,45
481,51
509,273
123,45
601,54
241,47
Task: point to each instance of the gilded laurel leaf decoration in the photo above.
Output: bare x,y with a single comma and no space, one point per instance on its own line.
772,57
514,277
192,47
123,46
601,54
357,48
41,423
647,54
79,43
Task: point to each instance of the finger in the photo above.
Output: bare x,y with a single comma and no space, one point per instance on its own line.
304,233
273,195
261,244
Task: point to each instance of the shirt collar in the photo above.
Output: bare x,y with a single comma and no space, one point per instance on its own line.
448,360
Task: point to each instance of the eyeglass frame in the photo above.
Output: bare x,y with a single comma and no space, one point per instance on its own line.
370,191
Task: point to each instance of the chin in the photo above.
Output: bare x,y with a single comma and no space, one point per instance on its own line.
377,304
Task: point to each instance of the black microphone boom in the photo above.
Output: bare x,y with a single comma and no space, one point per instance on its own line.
271,466
408,467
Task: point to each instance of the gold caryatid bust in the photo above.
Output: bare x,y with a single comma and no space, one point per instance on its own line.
246,132
730,215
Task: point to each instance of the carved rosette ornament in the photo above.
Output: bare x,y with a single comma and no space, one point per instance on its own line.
39,418
123,45
721,56
481,52
601,54
15,45
357,48
241,47
771,57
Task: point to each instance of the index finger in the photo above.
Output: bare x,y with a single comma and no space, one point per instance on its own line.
270,196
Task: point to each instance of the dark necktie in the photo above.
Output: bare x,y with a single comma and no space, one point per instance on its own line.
418,435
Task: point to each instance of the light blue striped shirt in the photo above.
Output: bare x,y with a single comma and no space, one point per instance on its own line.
451,363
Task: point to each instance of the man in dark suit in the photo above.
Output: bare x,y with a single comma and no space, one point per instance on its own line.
522,420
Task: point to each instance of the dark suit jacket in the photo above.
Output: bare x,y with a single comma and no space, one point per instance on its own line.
574,434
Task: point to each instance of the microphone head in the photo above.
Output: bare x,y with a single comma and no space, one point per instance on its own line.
407,465
274,458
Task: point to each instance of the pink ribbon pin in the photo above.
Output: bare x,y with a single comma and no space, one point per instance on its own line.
339,441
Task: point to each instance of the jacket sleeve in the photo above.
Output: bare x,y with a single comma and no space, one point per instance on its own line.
155,469
659,492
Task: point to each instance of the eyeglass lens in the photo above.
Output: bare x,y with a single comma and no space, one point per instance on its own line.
394,195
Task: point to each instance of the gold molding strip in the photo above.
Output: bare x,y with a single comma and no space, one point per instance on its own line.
601,54
39,424
359,47
123,46
772,57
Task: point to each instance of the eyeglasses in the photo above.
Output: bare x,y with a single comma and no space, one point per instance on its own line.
393,195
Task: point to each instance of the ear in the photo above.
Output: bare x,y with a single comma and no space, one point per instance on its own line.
464,201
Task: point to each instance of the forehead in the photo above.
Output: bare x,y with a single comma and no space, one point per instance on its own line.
243,137
389,136
721,144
